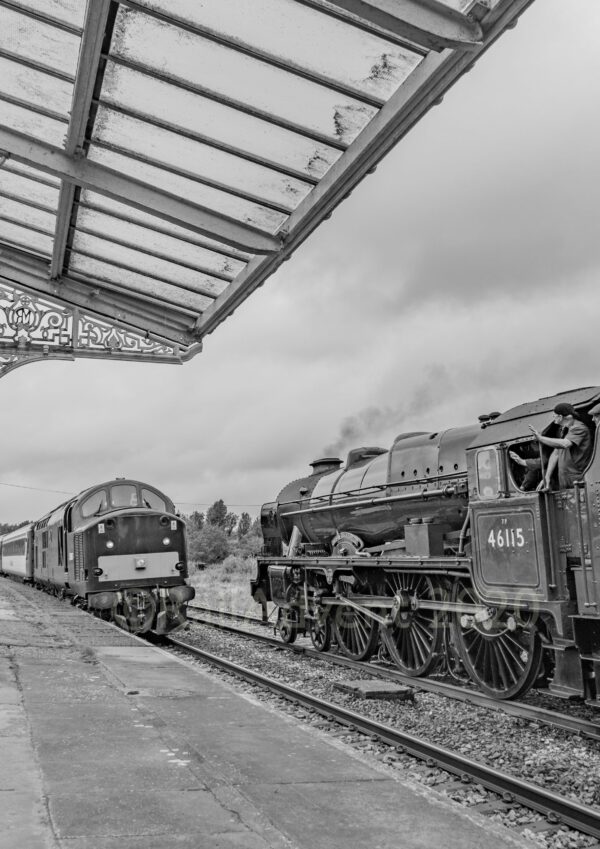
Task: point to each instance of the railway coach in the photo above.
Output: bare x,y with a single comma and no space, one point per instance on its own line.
441,551
117,549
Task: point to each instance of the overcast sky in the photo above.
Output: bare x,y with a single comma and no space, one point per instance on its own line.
462,277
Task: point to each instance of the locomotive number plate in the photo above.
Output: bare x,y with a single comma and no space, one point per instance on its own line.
507,548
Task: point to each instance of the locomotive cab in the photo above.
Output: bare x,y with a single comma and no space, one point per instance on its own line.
533,548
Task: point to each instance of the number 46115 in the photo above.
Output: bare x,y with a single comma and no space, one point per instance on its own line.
506,538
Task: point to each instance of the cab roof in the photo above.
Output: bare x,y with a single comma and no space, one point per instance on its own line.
514,423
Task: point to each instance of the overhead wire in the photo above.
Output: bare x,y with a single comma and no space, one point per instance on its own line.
176,500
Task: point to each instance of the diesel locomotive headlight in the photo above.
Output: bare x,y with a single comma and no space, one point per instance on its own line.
110,543
97,571
166,541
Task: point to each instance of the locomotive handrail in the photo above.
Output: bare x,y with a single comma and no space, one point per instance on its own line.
370,502
375,486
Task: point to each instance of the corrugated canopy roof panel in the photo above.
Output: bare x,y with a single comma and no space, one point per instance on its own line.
160,158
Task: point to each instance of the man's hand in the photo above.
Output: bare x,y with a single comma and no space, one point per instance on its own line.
542,486
535,432
516,458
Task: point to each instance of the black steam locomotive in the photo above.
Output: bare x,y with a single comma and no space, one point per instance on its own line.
117,549
440,552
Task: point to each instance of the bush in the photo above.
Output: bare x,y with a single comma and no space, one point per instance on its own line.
249,545
236,568
209,545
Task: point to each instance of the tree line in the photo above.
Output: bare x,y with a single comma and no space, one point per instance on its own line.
214,535
7,528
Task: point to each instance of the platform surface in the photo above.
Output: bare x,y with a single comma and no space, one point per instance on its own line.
110,743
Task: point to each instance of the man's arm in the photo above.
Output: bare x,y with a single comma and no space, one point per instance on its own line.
551,441
552,462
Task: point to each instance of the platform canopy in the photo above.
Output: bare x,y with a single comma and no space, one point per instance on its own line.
160,158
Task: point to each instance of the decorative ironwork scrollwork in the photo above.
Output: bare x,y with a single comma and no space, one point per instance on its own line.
94,334
33,320
34,328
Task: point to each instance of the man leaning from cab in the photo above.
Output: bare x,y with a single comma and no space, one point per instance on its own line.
572,450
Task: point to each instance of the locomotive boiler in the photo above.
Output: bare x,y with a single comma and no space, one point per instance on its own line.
441,552
117,549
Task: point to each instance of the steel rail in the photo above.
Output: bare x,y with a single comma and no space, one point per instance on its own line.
567,811
240,616
520,710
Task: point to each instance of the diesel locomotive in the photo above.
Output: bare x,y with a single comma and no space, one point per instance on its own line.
441,554
117,549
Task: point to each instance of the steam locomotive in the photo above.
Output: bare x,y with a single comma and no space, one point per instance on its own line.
117,549
438,552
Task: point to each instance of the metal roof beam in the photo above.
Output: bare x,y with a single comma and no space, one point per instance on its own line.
146,251
122,266
232,103
40,16
91,175
207,140
201,179
158,227
96,18
429,23
90,54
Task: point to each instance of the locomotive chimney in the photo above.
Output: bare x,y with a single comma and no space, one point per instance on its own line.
325,464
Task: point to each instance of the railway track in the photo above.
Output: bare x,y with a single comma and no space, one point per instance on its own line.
510,790
521,710
241,617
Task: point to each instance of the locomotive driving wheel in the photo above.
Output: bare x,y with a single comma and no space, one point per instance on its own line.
414,640
357,634
286,625
321,631
502,655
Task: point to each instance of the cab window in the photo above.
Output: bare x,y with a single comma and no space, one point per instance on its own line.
488,474
526,462
124,495
94,504
153,500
